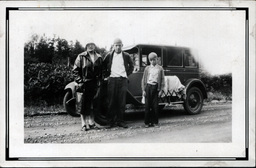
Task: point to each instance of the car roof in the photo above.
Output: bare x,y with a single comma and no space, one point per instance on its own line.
151,45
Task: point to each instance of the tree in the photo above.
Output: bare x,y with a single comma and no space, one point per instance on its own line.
62,51
54,50
76,49
102,51
45,50
29,49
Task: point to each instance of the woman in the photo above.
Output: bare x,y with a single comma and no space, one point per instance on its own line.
88,73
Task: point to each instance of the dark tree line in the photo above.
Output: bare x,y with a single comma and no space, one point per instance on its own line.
53,50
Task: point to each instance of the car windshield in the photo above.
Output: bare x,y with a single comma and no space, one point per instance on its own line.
134,53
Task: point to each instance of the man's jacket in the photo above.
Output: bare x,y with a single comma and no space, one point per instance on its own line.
85,70
128,63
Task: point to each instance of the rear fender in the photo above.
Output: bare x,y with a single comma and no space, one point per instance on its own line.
131,99
72,87
196,83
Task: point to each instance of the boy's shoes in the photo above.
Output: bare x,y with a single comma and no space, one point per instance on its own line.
152,125
122,124
112,125
146,126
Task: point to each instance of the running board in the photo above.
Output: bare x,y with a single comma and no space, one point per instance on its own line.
174,103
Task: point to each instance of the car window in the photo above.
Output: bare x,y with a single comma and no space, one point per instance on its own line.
189,59
159,60
144,60
134,54
136,61
174,57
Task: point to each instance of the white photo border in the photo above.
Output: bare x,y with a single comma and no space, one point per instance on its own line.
245,157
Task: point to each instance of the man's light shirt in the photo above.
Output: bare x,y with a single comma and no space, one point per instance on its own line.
117,68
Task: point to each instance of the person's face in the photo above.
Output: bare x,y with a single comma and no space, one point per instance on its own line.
90,47
159,61
153,61
118,47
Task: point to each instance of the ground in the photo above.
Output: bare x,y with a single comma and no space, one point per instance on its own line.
213,124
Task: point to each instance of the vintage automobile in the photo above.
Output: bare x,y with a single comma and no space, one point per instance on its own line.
180,67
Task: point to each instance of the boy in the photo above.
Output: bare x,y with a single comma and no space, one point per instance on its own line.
152,83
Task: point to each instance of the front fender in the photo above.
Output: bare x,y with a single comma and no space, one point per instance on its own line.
71,86
196,83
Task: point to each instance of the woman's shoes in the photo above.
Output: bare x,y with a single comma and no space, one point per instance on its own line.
92,125
85,128
88,127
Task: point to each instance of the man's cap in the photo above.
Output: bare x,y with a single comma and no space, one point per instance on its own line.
118,41
152,55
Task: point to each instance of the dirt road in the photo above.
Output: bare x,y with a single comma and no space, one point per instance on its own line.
214,124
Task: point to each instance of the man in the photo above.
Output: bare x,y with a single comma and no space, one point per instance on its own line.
118,66
88,73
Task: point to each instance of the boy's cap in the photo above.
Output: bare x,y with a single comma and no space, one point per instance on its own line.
152,55
118,41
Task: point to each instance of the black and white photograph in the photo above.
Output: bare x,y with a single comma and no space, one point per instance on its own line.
165,83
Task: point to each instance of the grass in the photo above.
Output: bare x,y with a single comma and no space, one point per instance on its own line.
43,109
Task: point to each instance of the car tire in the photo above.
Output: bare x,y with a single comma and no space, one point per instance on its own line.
70,104
194,101
100,113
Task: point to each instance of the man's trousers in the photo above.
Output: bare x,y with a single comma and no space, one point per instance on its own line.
117,89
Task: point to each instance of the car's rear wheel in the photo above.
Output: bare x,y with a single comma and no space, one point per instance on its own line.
69,104
194,101
100,111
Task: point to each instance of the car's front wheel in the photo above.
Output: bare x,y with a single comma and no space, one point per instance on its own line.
194,101
100,107
69,104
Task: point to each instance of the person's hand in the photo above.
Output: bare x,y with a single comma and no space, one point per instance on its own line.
79,87
160,93
98,83
144,93
78,84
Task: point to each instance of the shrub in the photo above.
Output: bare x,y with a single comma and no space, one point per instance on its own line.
44,83
218,85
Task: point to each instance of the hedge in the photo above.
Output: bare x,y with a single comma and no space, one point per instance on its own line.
44,83
218,84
